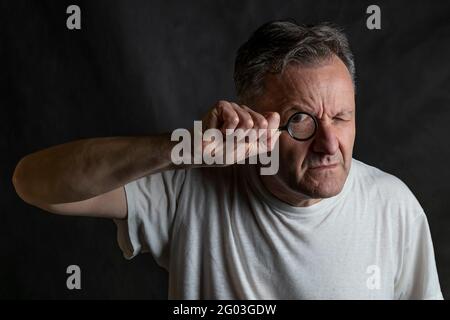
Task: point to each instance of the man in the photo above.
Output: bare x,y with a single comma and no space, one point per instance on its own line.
325,226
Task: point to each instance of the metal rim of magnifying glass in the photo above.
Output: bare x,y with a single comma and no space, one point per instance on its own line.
286,127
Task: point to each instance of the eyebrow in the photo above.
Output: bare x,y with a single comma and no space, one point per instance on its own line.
298,107
306,108
344,112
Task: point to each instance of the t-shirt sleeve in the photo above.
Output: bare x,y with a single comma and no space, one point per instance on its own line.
418,278
152,209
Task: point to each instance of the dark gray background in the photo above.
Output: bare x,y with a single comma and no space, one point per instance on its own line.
146,67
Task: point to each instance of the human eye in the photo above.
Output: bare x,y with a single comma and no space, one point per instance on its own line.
298,118
343,117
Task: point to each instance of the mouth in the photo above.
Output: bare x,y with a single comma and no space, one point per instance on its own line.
325,167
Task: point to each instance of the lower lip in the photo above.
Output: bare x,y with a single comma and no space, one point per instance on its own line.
325,167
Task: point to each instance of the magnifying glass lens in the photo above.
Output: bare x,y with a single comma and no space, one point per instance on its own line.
301,126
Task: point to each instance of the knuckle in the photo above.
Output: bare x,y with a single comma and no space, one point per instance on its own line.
246,119
275,116
262,123
222,104
235,105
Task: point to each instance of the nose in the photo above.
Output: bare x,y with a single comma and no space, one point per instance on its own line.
325,140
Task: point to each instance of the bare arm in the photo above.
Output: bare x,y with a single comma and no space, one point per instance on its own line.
86,177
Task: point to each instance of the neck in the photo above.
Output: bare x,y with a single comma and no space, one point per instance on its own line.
279,189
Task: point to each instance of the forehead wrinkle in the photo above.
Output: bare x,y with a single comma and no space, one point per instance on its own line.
302,90
305,89
331,99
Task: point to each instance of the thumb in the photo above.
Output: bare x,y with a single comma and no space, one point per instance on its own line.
273,123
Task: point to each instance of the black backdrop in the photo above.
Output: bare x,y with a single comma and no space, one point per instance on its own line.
145,67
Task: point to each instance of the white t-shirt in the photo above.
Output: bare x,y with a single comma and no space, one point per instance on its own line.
222,235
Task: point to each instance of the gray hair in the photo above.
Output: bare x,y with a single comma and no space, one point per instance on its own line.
276,44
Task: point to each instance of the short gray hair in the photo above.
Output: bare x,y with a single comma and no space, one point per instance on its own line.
276,44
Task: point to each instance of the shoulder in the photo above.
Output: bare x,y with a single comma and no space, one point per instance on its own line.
378,178
387,190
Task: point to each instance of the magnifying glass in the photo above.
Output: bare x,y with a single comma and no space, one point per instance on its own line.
301,126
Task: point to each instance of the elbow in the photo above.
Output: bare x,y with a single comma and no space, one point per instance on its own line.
23,184
19,182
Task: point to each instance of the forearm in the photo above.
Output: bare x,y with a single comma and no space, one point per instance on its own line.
82,169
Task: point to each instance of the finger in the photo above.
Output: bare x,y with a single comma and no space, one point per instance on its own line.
259,121
228,115
273,120
260,124
211,120
245,119
273,139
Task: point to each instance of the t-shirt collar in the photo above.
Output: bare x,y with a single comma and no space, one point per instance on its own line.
252,174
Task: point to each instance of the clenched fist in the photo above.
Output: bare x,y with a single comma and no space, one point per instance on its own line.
240,133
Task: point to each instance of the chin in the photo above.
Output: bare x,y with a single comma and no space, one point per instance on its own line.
318,186
326,192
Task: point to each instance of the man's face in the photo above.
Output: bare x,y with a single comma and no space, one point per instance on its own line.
325,91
